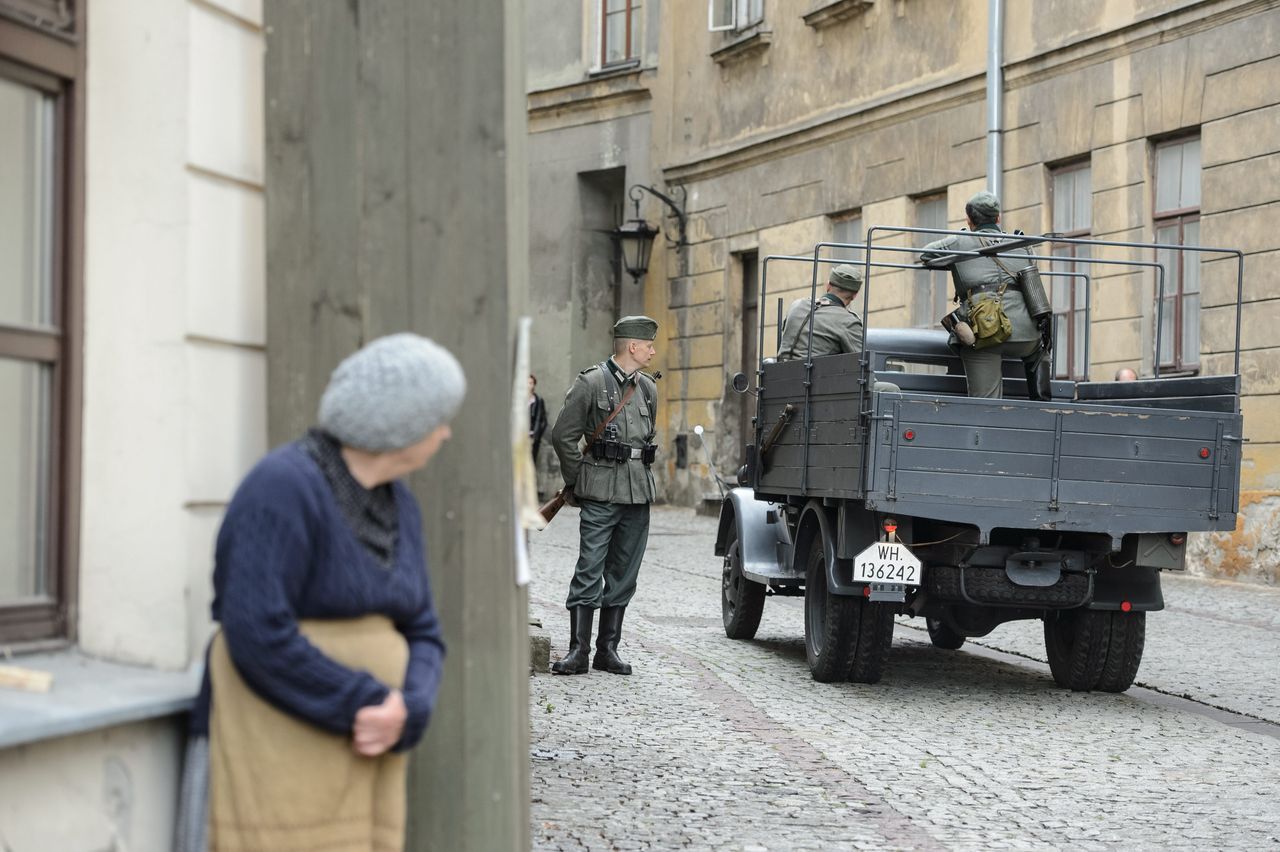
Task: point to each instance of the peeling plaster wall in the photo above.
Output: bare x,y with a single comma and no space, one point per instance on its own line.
1251,553
110,791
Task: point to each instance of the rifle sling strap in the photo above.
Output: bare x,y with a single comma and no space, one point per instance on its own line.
600,429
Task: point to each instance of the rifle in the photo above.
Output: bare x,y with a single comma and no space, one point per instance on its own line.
549,509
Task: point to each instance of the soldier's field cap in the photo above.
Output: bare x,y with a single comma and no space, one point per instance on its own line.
985,204
846,276
636,328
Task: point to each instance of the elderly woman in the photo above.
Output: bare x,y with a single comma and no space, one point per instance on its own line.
325,669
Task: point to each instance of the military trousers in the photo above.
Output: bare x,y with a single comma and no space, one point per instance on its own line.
612,544
982,367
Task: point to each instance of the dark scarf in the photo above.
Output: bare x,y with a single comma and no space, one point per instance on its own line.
371,513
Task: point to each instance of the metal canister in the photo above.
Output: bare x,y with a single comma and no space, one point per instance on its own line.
1033,293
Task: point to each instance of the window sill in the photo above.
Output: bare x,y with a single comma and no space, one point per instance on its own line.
616,70
833,12
89,695
744,45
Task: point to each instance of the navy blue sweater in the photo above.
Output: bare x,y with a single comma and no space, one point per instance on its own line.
285,553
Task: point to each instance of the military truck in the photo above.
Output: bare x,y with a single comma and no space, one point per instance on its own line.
876,488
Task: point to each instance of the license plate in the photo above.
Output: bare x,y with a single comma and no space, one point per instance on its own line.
887,562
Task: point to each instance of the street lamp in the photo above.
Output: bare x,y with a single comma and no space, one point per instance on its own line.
636,235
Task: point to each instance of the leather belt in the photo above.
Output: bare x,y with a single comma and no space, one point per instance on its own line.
637,452
993,288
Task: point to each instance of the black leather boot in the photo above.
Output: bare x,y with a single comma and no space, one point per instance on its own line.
579,654
607,658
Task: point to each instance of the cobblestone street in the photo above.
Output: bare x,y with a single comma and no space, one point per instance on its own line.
725,745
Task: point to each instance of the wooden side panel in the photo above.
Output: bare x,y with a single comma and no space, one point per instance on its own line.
835,442
396,201
1068,458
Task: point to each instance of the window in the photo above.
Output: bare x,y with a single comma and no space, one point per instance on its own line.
931,290
1071,192
1177,221
37,235
847,228
734,14
620,36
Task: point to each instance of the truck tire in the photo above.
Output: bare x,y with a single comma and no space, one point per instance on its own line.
1124,654
1076,642
741,600
874,638
943,636
830,621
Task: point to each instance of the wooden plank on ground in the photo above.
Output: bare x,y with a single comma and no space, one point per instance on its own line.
28,680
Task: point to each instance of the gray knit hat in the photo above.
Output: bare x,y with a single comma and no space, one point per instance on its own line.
392,393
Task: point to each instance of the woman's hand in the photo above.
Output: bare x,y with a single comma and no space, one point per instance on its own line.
378,727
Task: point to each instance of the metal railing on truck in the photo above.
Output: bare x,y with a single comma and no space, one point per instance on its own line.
1015,243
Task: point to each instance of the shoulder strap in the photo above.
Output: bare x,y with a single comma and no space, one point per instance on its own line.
1000,263
600,429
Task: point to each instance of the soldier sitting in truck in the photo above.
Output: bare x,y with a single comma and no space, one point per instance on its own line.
837,328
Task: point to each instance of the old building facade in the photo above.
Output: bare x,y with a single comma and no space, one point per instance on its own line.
132,391
790,123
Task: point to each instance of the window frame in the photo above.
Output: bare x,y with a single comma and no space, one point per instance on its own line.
53,61
1071,254
939,287
630,33
740,19
1174,362
842,220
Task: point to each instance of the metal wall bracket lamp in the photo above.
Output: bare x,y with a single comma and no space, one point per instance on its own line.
636,235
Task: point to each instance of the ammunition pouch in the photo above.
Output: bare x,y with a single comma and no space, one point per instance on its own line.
604,449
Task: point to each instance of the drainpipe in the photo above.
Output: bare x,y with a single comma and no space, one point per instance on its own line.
995,96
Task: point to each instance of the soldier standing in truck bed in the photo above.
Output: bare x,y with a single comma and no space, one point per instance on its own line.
836,327
976,276
611,480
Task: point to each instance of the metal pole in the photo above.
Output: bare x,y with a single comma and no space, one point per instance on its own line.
995,95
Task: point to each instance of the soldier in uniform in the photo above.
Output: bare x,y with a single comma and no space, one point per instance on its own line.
982,367
612,482
836,327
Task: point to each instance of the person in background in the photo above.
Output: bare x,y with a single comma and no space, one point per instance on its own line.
1126,374
324,670
537,418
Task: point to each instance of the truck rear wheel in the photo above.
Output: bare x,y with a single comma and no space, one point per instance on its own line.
1094,649
1128,636
741,600
830,621
875,636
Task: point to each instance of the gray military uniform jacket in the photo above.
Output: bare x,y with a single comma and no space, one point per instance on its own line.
836,329
980,272
590,400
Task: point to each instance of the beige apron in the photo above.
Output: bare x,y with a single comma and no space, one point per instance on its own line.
278,783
